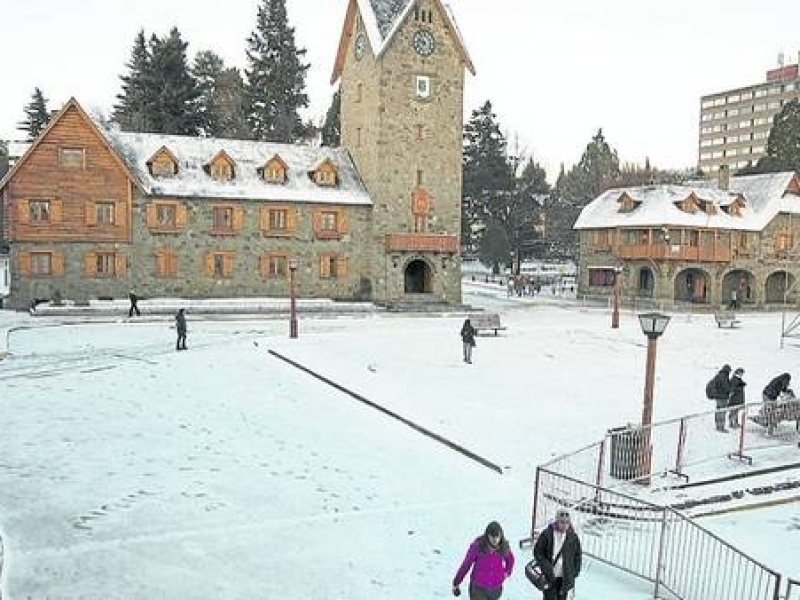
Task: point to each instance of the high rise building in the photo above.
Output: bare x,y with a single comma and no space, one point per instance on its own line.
735,124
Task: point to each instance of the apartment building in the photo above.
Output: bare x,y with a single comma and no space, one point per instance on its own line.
735,124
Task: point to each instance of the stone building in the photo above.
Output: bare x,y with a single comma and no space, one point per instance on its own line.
695,243
93,213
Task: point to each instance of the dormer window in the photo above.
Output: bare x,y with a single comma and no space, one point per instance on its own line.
734,209
221,167
689,204
627,204
163,164
275,170
325,174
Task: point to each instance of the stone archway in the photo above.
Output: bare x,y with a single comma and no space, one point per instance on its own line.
743,282
776,287
692,285
418,277
645,282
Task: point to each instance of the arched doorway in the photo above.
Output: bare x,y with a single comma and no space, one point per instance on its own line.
743,282
645,282
691,285
418,278
777,286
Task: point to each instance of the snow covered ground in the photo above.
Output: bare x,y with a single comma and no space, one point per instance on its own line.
128,470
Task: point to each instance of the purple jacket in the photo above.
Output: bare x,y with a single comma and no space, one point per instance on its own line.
489,570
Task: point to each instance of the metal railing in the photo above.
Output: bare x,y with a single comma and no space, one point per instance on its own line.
659,544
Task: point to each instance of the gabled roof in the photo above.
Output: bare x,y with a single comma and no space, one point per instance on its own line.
277,158
72,104
761,198
382,20
221,155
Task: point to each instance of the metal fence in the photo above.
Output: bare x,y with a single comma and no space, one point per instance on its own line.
682,559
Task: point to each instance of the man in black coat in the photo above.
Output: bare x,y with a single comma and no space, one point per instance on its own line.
180,325
558,551
737,397
134,304
468,334
719,389
777,386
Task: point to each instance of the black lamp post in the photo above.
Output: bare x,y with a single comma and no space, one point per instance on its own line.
293,296
653,325
615,311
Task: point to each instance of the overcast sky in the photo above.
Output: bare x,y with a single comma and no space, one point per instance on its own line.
554,70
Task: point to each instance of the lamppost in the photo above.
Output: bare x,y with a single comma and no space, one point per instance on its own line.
615,311
293,296
653,326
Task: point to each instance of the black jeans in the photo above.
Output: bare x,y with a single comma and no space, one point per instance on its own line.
134,308
476,592
181,343
554,592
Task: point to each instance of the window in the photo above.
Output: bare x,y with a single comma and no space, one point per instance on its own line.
783,243
332,266
760,93
420,223
278,219
219,265
221,171
105,264
163,164
41,263
747,95
72,158
602,277
358,136
359,92
602,239
422,86
223,218
420,175
733,98
774,105
329,221
165,215
277,266
166,264
104,213
692,238
39,211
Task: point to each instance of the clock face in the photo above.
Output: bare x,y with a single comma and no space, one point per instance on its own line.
424,43
360,45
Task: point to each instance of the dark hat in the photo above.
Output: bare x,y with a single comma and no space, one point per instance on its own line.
726,368
739,371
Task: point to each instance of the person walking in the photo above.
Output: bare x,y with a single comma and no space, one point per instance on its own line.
180,325
736,400
134,304
719,390
558,552
734,303
468,334
491,562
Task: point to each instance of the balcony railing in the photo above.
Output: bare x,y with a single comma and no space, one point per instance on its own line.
422,242
670,252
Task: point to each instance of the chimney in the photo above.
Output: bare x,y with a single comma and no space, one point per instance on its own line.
724,178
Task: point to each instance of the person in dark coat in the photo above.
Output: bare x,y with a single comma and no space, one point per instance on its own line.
180,325
134,304
776,387
468,334
560,570
719,390
737,398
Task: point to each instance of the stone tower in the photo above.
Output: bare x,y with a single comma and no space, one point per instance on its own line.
401,65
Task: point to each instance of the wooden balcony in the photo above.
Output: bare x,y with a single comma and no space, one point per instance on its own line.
422,242
673,252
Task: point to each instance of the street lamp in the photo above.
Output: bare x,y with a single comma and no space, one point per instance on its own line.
293,296
653,326
615,311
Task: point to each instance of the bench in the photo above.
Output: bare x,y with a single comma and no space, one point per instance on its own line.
774,412
726,320
486,322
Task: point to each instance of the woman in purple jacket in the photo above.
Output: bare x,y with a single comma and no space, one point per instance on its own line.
491,561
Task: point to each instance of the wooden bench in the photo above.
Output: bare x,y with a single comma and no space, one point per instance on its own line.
486,322
773,413
726,320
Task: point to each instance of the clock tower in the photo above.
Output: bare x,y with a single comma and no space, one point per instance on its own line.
401,66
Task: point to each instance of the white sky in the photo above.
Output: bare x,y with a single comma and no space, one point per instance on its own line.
555,71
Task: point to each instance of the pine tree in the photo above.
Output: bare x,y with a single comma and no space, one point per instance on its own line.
206,70
332,128
783,145
172,92
275,77
230,106
488,175
36,115
132,111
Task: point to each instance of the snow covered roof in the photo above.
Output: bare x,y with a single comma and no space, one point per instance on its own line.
761,198
194,153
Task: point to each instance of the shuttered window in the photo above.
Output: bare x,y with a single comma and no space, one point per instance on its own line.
219,265
41,263
332,266
105,213
39,211
330,224
166,216
104,264
166,266
227,220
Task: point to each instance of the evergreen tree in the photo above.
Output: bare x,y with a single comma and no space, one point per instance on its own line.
230,106
783,145
488,174
172,92
598,168
275,77
206,70
132,110
332,128
3,158
494,247
36,115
